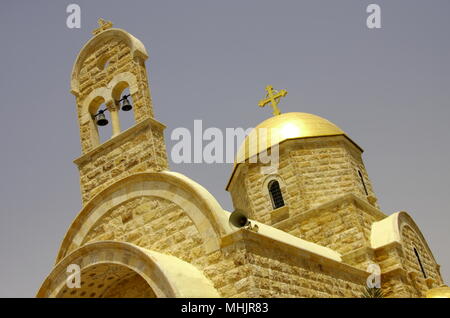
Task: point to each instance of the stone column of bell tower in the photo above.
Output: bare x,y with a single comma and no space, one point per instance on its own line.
110,62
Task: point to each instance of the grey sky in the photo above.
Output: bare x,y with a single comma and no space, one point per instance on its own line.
389,89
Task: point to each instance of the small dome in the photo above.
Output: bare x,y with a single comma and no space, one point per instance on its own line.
284,127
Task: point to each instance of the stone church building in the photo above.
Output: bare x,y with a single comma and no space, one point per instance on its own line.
146,231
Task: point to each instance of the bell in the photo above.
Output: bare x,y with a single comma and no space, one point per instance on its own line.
101,119
126,106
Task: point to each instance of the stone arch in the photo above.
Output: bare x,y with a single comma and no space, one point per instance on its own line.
118,85
89,129
389,230
109,93
109,96
122,81
200,206
94,104
404,219
167,276
273,177
418,258
137,49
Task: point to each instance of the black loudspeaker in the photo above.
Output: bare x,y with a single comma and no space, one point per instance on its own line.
238,218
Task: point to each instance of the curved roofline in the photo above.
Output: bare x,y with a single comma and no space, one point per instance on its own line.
388,231
206,212
280,128
136,46
167,275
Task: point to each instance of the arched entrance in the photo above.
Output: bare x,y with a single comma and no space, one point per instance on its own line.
120,269
109,281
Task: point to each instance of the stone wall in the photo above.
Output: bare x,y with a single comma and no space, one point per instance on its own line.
318,177
109,59
245,268
411,240
251,265
342,225
328,169
255,184
264,268
102,73
312,171
401,272
141,148
160,225
152,223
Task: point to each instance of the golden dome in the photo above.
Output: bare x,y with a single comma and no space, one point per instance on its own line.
283,127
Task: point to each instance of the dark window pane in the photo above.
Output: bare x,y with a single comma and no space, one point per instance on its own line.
275,194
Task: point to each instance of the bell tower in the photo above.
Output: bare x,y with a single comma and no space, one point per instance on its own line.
110,63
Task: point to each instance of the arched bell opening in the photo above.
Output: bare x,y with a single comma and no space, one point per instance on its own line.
100,130
109,280
124,104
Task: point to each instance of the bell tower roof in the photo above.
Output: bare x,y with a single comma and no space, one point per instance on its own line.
103,35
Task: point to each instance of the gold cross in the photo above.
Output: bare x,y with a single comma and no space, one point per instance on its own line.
272,97
102,26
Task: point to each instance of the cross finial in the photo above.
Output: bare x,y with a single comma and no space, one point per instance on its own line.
272,97
102,26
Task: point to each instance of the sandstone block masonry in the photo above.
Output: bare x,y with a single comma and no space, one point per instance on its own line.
96,72
311,172
140,148
109,64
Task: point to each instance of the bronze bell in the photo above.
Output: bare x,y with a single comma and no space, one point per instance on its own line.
101,119
126,106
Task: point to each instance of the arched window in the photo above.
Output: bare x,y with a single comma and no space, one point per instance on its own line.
126,115
104,132
275,194
100,133
127,119
420,262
